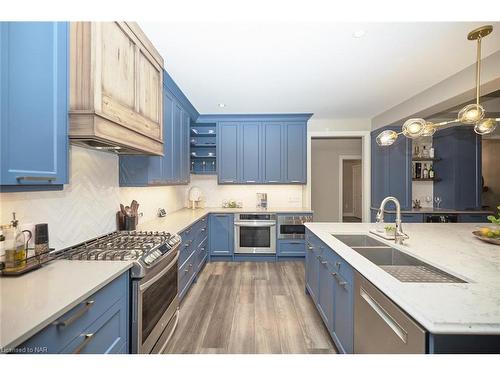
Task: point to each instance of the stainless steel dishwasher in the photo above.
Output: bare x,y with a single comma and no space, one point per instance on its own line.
380,326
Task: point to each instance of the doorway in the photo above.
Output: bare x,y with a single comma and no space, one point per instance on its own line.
327,155
350,199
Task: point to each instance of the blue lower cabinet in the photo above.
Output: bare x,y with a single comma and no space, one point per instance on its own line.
329,281
107,335
98,325
325,292
312,270
291,248
473,218
343,326
201,255
221,235
412,218
187,274
34,78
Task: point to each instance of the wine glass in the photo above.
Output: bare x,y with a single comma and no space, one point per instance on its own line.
438,201
428,200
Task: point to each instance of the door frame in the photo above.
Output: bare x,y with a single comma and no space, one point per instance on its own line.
341,182
365,161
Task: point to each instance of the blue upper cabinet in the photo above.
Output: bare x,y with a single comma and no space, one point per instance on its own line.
173,167
267,151
34,105
250,141
227,146
391,171
295,147
459,168
273,152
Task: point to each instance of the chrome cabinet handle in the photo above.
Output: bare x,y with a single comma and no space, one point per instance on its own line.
384,315
190,265
78,314
35,178
203,229
86,340
250,181
338,264
186,270
272,181
295,181
309,247
323,262
334,274
227,180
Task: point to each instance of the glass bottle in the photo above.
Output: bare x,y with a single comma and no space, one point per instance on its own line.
14,246
425,172
431,172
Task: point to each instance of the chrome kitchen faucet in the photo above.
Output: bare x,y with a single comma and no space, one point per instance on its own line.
399,236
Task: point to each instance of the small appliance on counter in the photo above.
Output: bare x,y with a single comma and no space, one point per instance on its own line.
195,197
262,201
127,217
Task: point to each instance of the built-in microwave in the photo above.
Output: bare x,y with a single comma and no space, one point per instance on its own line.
292,226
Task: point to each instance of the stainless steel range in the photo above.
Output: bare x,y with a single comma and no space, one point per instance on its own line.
155,301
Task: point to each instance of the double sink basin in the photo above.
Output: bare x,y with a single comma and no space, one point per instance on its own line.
400,265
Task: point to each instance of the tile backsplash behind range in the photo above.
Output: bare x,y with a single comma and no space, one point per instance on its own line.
86,207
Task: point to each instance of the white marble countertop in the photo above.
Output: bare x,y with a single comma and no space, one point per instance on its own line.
462,308
29,302
179,220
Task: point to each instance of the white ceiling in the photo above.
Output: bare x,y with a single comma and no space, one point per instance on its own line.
312,67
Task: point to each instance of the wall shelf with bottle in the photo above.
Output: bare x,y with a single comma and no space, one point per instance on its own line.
203,139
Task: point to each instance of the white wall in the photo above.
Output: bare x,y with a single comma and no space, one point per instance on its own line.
277,195
325,185
86,207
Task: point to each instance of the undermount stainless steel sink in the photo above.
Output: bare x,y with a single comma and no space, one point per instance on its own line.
400,265
358,240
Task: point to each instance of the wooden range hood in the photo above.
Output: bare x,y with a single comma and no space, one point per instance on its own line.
116,80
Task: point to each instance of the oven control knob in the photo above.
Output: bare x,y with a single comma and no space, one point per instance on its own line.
157,253
147,260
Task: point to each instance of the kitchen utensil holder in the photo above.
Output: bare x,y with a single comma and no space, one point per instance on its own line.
130,222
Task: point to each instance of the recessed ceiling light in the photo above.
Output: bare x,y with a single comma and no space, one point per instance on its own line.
359,33
221,105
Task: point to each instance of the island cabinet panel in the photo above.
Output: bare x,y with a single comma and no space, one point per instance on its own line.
33,105
270,152
227,148
116,78
221,235
329,281
173,167
98,325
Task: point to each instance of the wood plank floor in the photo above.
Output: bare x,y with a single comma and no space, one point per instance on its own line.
250,307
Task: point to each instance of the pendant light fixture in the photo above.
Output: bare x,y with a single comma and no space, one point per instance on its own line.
471,114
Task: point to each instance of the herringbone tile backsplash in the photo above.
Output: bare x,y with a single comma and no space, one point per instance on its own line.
87,206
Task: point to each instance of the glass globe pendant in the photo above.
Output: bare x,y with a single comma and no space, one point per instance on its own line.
429,129
470,114
485,126
414,127
386,138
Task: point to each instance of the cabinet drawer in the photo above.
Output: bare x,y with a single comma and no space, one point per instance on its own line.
63,330
200,235
201,254
291,248
106,335
186,275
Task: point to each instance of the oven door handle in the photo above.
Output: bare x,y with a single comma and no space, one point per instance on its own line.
254,224
148,283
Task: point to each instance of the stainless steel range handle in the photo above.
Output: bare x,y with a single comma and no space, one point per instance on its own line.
384,315
78,314
86,340
148,283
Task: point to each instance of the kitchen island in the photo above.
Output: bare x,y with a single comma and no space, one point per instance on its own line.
441,309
